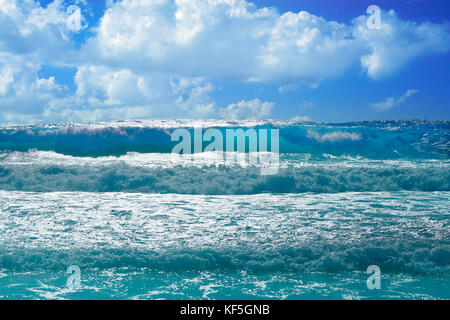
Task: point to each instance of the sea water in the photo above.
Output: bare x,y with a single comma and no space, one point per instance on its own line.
142,223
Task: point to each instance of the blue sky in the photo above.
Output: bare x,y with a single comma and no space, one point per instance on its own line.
77,61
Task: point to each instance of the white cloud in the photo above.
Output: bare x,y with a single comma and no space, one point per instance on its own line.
391,102
406,95
165,57
287,88
6,79
293,86
193,95
385,105
301,119
33,36
252,109
224,39
103,86
397,42
35,29
235,39
333,136
23,94
54,15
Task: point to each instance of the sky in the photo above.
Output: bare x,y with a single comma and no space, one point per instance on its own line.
321,60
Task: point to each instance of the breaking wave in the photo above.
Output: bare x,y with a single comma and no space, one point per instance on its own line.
208,174
398,231
375,140
415,258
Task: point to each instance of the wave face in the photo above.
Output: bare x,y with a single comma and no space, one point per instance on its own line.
373,140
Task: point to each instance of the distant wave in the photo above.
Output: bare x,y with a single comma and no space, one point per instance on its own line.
375,140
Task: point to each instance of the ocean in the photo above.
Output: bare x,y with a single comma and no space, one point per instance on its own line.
136,221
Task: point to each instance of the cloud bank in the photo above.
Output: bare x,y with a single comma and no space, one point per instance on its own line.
163,58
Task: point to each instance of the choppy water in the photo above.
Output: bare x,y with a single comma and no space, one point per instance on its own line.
143,223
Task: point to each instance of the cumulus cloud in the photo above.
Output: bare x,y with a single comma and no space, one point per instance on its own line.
397,42
334,136
32,28
23,94
301,119
252,109
103,86
164,57
193,95
391,102
235,39
33,36
224,39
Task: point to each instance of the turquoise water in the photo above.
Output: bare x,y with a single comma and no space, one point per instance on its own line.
141,223
148,284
